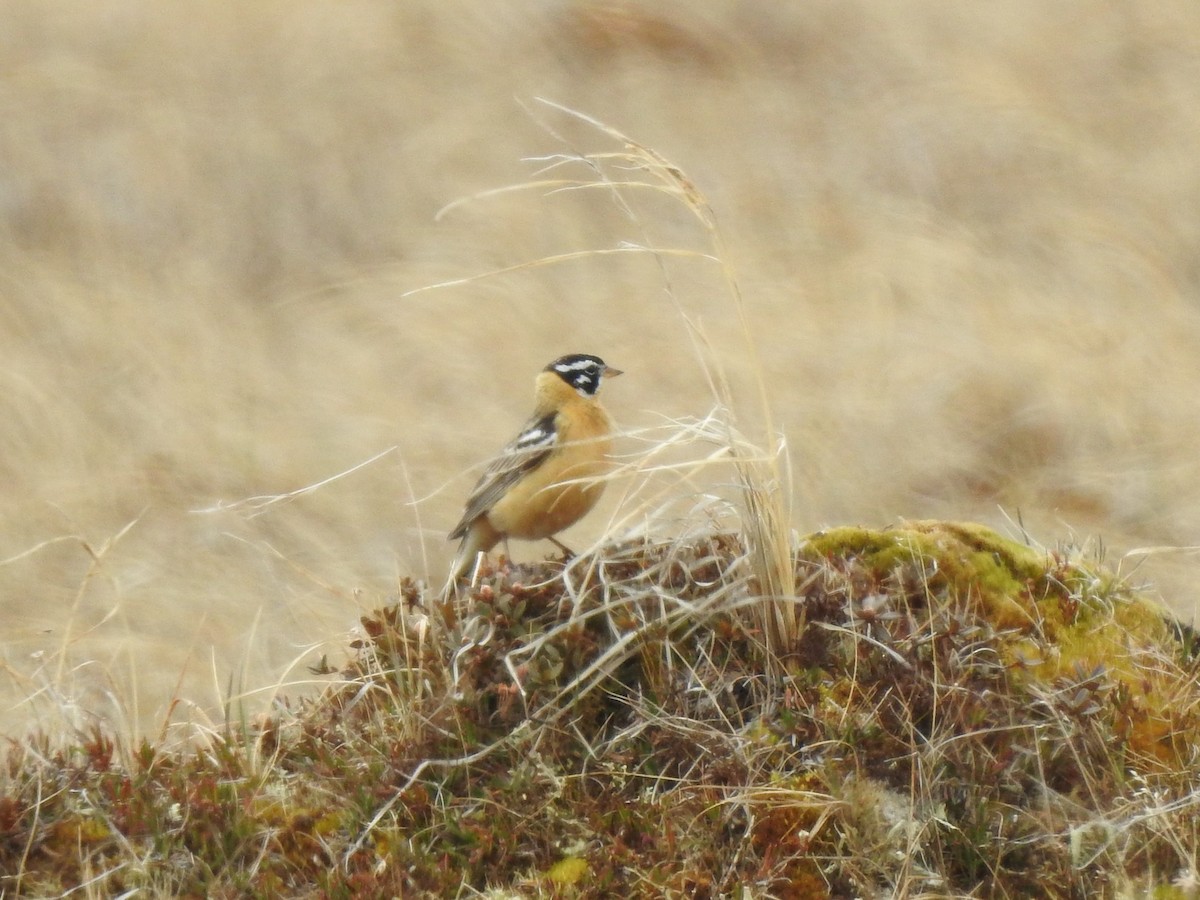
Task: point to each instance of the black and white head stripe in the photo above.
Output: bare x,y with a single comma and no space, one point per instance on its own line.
580,371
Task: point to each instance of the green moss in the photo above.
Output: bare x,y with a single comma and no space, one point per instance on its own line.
1057,622
968,561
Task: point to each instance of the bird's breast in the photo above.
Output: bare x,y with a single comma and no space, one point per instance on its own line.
564,487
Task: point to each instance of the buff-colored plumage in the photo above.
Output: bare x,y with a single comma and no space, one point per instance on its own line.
550,475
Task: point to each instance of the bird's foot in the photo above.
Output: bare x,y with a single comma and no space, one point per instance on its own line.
568,553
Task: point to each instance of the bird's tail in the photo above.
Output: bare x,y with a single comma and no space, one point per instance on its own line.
480,537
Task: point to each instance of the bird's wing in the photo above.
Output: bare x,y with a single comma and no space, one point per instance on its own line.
523,454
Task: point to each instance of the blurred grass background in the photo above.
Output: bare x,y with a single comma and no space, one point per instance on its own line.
968,238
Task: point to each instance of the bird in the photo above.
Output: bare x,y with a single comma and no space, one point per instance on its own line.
551,474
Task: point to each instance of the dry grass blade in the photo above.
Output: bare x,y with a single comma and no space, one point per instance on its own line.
764,481
763,477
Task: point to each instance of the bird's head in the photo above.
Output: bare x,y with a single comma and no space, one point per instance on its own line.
582,371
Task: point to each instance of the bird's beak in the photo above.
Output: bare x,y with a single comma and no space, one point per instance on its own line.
610,372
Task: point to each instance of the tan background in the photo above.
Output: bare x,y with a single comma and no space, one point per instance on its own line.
968,237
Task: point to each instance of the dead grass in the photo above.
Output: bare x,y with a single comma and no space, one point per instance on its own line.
620,724
966,273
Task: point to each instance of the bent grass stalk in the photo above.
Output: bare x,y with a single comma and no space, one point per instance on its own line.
763,477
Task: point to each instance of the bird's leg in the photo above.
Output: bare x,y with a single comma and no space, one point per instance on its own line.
567,551
507,554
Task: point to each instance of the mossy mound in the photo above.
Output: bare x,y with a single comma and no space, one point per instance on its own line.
1051,621
962,715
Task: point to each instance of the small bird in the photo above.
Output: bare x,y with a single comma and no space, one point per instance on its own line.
549,475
